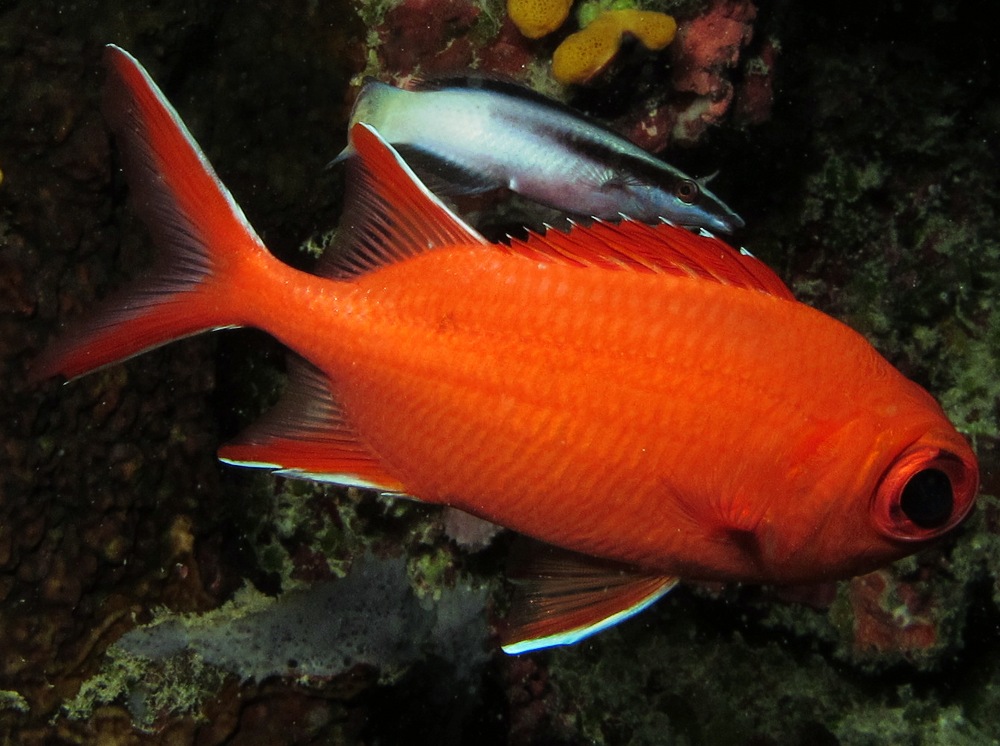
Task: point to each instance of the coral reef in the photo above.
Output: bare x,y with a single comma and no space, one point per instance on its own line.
891,616
755,96
715,65
681,94
707,49
406,39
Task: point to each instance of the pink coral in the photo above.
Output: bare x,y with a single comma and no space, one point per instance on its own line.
428,36
650,129
508,54
704,54
891,615
755,95
709,45
706,50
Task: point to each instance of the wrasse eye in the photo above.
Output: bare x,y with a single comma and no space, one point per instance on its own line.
927,499
687,191
924,493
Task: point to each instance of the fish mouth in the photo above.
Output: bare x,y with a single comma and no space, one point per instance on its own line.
728,222
735,222
722,220
706,222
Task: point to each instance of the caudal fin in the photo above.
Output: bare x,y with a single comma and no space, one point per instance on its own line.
202,236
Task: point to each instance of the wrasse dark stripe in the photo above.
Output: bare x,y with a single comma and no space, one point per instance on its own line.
494,134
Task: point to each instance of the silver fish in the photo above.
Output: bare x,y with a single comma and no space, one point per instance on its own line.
473,135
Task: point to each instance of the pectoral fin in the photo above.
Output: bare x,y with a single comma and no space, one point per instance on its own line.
562,597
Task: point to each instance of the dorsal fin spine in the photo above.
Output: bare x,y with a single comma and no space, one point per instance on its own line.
664,249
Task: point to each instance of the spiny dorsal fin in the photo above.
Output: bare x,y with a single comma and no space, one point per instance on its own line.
562,597
664,248
389,215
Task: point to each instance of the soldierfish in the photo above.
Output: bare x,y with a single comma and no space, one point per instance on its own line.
648,400
470,135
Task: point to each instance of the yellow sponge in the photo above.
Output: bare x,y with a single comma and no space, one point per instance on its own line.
584,54
536,18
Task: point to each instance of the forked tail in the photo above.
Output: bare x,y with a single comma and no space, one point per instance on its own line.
206,246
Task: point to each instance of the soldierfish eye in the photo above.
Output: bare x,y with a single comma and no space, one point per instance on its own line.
687,190
925,492
927,499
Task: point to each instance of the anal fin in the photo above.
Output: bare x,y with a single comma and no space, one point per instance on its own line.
562,597
305,435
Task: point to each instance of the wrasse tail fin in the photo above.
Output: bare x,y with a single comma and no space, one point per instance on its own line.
374,100
389,215
562,597
199,230
305,436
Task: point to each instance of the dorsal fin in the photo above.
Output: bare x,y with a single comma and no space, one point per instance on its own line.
664,248
389,215
305,435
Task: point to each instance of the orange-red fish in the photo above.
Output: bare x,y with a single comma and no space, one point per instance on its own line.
649,399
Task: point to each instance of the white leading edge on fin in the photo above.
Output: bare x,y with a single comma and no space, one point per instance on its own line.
569,637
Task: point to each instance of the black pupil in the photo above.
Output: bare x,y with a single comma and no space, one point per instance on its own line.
927,499
687,191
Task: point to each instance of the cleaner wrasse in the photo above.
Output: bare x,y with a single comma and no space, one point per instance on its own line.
471,135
